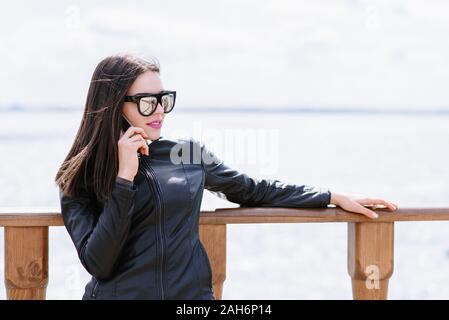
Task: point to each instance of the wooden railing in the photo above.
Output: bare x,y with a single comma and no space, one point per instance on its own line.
370,244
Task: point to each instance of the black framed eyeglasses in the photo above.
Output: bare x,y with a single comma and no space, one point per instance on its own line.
148,102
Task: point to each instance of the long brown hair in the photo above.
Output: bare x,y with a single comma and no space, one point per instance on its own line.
92,163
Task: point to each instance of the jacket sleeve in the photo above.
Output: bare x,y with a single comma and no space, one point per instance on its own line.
99,234
232,185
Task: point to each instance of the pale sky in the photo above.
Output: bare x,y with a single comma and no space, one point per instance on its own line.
234,53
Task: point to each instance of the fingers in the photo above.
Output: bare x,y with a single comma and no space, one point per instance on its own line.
361,205
136,137
377,203
133,130
369,213
390,205
142,146
354,206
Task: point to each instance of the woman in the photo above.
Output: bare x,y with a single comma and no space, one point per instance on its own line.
132,208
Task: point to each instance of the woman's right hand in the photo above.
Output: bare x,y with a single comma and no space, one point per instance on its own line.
129,143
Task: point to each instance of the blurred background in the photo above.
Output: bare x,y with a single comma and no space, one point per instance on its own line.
348,95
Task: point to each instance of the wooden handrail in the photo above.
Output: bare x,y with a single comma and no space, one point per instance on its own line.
52,217
370,243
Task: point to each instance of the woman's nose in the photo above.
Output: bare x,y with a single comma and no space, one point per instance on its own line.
159,109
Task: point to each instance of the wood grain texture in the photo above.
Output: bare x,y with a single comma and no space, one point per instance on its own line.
52,217
213,238
370,259
26,262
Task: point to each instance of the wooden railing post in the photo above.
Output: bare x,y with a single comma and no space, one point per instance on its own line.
370,258
26,262
213,238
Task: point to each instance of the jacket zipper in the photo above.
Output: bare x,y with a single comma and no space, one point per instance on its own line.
94,290
161,216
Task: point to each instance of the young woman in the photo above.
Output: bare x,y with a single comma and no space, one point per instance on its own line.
132,208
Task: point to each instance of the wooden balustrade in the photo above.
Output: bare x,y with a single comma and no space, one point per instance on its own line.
370,243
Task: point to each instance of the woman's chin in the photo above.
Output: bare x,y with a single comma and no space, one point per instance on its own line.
154,135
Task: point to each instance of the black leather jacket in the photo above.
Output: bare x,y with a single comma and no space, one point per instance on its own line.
143,242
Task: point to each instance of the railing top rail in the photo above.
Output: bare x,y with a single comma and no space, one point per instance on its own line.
52,217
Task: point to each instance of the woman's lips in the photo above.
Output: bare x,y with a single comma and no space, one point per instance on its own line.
155,124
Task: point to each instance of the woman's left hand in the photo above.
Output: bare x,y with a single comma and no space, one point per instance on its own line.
357,205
